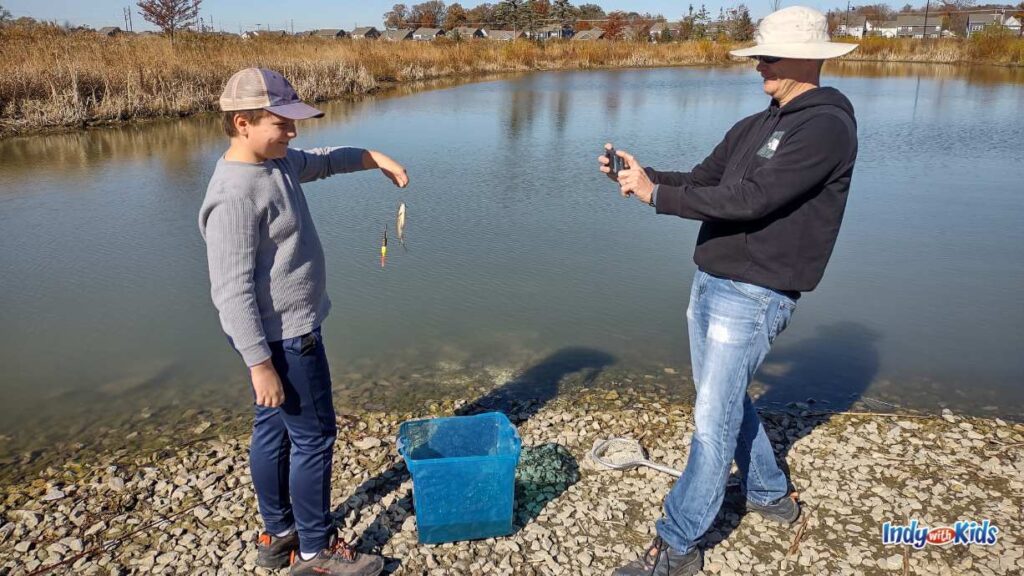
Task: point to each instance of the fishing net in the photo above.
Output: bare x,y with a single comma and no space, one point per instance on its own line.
623,454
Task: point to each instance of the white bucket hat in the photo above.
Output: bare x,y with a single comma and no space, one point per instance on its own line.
795,32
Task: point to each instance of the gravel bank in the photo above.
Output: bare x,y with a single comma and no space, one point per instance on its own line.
192,510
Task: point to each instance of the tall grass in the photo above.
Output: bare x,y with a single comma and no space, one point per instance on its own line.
51,78
989,47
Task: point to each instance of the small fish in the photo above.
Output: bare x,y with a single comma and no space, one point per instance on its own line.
384,247
400,224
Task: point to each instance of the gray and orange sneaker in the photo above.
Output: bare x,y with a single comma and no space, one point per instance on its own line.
660,559
338,559
275,551
785,510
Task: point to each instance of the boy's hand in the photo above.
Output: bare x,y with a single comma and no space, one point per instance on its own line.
393,170
267,384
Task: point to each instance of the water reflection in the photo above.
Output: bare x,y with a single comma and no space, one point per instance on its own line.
971,74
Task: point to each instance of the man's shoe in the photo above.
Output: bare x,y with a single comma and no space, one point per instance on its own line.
274,551
785,510
661,560
339,559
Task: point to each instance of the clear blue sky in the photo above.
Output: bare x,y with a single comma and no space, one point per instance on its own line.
307,14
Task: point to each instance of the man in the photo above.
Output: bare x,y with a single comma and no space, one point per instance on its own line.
770,198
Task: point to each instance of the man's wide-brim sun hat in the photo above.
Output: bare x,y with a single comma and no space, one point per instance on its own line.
259,88
795,32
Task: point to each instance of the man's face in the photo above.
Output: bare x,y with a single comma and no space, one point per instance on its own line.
783,77
269,136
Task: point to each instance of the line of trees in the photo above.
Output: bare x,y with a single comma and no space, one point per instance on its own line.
529,15
519,14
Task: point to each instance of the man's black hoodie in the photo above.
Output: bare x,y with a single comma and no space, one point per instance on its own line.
772,194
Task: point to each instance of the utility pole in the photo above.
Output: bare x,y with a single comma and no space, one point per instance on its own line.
847,25
927,5
124,12
131,27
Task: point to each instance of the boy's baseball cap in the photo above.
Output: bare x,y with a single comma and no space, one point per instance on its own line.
255,88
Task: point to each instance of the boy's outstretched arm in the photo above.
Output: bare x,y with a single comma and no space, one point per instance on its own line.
318,163
393,170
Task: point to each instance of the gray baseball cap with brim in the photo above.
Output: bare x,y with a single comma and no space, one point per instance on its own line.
259,88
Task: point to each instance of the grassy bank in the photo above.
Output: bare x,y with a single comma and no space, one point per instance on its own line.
50,79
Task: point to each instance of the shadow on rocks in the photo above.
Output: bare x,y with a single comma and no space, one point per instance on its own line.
804,382
551,468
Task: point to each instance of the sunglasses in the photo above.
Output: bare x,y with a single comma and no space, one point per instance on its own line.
766,59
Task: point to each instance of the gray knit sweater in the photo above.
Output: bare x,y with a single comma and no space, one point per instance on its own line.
266,263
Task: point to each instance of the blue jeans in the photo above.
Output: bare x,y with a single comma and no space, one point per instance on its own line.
732,326
292,446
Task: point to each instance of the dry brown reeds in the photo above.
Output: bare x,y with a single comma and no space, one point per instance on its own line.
52,78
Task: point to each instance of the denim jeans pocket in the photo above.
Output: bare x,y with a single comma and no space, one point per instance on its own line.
783,313
755,293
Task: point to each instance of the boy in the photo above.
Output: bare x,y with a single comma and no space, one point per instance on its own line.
268,284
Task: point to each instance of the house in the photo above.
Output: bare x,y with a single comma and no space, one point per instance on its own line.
589,35
504,35
365,33
885,29
915,26
659,29
109,31
857,27
1014,24
553,32
716,29
466,33
978,22
329,33
397,35
427,34
633,33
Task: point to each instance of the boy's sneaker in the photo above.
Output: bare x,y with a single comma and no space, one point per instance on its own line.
338,559
660,559
275,551
785,510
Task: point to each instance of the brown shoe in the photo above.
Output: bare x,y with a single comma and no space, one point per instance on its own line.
338,559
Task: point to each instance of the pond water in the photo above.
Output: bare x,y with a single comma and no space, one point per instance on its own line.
518,250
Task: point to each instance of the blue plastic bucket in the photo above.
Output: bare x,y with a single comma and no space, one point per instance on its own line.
463,475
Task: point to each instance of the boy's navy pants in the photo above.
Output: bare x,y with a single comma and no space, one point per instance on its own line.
292,445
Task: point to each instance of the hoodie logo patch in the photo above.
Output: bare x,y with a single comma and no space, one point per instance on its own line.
769,148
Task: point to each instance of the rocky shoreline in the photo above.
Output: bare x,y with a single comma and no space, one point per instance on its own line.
191,509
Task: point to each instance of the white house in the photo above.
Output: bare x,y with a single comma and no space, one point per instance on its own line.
978,22
887,29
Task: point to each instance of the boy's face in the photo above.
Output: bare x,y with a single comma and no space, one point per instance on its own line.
268,137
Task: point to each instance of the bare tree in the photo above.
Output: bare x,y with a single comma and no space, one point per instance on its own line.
775,5
170,15
396,17
5,14
429,14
